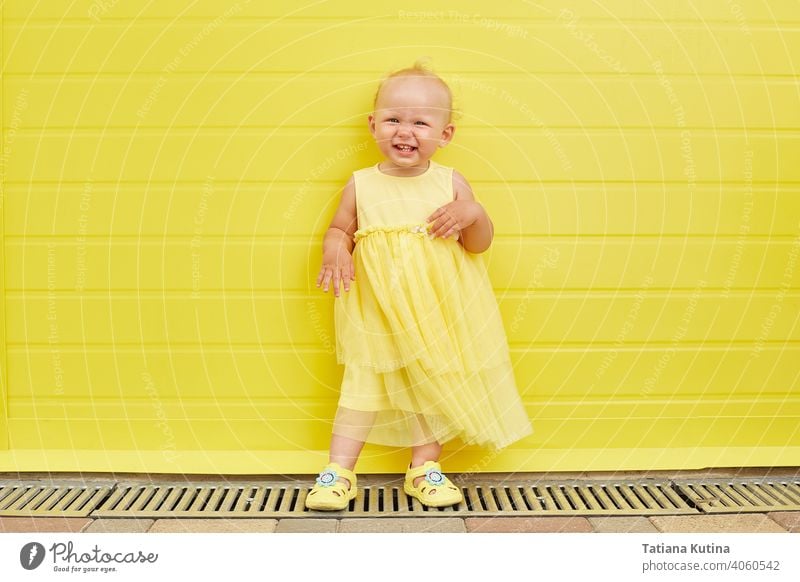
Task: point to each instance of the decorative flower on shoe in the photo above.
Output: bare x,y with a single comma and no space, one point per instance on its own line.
327,478
434,477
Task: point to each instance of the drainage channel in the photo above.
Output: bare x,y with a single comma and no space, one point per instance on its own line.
740,495
285,499
62,499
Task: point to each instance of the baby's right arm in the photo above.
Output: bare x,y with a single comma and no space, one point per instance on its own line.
337,246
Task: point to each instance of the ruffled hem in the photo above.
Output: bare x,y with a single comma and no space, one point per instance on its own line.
418,301
405,409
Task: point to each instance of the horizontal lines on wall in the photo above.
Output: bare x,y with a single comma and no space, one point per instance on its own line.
306,155
531,318
482,102
371,44
588,264
93,11
300,211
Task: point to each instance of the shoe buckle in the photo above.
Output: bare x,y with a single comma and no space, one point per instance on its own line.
327,478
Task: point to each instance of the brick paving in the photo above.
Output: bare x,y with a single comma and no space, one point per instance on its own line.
789,520
402,525
779,522
739,523
213,525
119,525
307,525
44,524
623,524
566,524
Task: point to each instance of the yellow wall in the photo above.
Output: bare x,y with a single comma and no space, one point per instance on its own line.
169,170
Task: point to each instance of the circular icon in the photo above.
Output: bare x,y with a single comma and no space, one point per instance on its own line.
327,478
31,555
434,477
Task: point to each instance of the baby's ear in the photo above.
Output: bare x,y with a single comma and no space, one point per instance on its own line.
371,124
447,134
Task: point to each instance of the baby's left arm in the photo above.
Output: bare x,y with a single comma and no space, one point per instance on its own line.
465,215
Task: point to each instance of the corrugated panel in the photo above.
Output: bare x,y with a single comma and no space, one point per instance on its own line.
303,45
529,156
483,96
617,10
172,264
4,156
716,370
163,210
194,425
263,317
143,214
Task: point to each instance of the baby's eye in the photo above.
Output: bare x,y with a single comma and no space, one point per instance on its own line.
392,120
421,123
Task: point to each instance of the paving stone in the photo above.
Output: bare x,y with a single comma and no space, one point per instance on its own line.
788,520
210,525
740,522
107,525
43,524
307,525
570,524
402,525
622,524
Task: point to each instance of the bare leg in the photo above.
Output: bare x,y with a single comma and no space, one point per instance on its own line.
422,453
345,452
351,429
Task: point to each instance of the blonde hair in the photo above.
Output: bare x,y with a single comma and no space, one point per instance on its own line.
420,68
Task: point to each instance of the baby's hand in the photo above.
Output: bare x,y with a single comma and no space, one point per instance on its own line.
453,217
336,265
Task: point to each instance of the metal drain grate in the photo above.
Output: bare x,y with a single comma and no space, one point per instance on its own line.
642,497
732,495
285,499
276,500
62,499
199,500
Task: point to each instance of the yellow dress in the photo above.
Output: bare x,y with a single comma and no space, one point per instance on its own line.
419,333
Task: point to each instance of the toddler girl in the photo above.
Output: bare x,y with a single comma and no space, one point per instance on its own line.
417,325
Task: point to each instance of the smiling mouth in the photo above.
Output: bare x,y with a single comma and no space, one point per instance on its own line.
405,148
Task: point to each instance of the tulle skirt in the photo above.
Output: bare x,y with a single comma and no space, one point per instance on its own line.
425,353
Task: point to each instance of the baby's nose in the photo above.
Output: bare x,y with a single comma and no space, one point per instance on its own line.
404,128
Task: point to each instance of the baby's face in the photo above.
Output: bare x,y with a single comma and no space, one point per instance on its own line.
411,121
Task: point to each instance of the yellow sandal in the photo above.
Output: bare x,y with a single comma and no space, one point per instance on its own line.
328,494
435,490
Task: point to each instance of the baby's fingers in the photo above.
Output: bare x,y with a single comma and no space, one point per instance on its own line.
320,276
347,276
341,276
336,276
441,226
327,273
